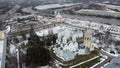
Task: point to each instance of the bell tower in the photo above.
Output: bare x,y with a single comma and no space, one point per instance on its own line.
87,39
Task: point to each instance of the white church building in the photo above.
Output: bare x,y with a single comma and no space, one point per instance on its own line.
69,44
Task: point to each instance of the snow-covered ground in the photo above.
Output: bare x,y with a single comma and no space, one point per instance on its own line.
110,6
28,10
44,7
98,12
110,53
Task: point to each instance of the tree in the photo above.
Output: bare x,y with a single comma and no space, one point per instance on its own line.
16,40
49,41
33,39
37,56
23,36
18,20
54,39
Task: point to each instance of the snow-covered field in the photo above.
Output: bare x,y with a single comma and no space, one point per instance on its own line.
44,7
98,12
110,6
28,10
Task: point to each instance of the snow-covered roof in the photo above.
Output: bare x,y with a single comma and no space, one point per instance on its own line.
71,47
68,55
78,33
45,31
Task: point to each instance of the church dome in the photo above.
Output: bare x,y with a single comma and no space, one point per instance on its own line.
58,15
